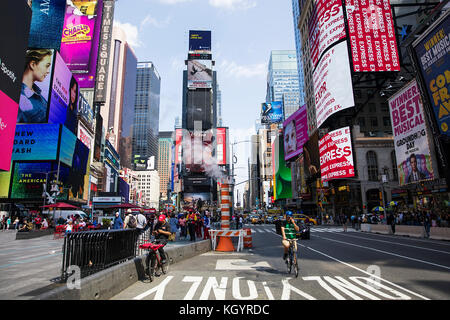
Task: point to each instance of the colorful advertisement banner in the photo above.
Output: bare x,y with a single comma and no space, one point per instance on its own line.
295,133
333,88
199,40
8,117
221,152
372,36
36,142
311,156
35,92
199,74
64,98
282,175
433,54
272,112
47,24
326,27
336,155
410,135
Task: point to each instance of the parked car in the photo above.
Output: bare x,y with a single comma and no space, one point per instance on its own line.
304,232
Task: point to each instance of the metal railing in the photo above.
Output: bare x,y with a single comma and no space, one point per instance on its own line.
94,251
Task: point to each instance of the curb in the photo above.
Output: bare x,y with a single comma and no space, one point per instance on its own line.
108,283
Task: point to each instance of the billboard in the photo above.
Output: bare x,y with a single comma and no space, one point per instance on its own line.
35,93
372,36
221,146
199,40
336,155
67,146
192,198
295,133
85,112
36,142
199,74
104,50
64,96
432,52
80,38
143,163
47,23
78,172
333,88
410,135
272,112
326,27
282,175
311,157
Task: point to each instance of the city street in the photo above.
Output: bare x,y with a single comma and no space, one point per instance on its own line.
333,266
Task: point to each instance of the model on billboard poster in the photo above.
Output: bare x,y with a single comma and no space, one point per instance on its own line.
34,95
72,109
290,139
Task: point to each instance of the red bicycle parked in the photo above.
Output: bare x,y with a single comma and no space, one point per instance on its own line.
154,250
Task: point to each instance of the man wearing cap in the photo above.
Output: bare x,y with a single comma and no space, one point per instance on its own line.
289,230
162,233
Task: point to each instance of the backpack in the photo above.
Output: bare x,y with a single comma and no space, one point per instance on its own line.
132,222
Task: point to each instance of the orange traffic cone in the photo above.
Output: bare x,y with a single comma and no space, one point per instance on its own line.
225,244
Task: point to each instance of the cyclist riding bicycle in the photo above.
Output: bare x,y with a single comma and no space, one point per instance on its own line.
162,232
289,231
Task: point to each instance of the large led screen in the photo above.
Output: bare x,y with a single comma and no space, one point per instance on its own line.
433,54
326,27
336,155
221,146
333,88
372,36
311,156
410,135
67,148
200,74
47,23
272,112
36,142
282,175
8,117
295,130
35,93
199,40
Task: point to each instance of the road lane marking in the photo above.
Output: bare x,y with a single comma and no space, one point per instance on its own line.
240,264
371,275
159,289
390,253
287,288
236,291
396,243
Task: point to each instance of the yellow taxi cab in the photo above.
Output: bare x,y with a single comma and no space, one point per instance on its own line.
255,219
305,218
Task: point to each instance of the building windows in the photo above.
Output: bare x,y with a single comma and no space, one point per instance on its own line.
387,121
372,166
374,122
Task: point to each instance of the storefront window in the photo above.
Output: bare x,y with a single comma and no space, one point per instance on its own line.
372,166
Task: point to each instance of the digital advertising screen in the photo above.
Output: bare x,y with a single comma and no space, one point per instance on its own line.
295,133
78,170
199,73
85,111
272,112
47,24
333,88
8,117
336,155
372,36
433,54
199,40
192,198
64,96
311,156
35,92
36,142
326,27
410,135
67,147
282,174
221,146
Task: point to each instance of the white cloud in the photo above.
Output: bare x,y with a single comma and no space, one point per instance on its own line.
131,32
149,20
233,4
173,1
232,69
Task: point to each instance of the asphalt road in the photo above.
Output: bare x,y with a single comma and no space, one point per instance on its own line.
333,266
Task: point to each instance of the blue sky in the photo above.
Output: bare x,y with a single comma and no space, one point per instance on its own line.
243,34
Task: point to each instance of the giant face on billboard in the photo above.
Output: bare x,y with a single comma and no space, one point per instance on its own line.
372,36
336,155
295,133
410,135
272,112
47,24
34,96
200,74
433,54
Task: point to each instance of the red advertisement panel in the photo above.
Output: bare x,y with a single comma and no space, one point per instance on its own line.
221,146
372,36
336,155
326,27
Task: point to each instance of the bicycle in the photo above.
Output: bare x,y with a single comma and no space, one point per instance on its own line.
153,248
291,260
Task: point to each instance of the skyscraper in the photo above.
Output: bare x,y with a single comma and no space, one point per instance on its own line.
282,78
298,49
165,161
146,112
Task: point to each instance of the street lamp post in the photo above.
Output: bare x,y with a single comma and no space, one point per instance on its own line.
232,172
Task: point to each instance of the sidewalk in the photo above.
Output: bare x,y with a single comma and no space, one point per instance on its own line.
31,267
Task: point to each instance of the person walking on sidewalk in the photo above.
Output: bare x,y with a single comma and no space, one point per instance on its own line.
206,226
192,218
173,227
344,222
182,224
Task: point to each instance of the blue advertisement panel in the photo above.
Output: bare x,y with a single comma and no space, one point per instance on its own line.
36,142
78,170
199,40
272,112
47,23
67,148
433,53
124,189
86,112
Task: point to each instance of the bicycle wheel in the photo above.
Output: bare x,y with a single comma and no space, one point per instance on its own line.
295,265
165,267
289,260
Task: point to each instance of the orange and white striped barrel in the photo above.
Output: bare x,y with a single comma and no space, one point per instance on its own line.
248,238
225,206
